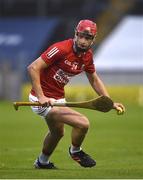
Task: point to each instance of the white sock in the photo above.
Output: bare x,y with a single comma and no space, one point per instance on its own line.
44,159
74,149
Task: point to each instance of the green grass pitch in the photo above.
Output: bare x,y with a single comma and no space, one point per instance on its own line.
116,142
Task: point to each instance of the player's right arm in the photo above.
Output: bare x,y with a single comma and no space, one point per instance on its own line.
52,54
34,70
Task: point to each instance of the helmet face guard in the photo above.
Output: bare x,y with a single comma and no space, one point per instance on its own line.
88,29
85,34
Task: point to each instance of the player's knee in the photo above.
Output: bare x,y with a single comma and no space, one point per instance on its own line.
85,124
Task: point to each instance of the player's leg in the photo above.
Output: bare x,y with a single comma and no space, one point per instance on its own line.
56,132
80,126
55,120
70,117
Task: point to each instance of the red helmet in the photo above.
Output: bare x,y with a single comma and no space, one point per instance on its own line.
87,27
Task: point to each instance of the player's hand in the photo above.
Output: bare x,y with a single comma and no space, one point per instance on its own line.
119,108
45,101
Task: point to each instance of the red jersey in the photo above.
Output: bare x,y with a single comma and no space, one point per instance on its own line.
63,63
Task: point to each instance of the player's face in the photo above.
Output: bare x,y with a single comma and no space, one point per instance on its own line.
83,41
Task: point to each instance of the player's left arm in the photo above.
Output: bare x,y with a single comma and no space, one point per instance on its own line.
97,84
99,87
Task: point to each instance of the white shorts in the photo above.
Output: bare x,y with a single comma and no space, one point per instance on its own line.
42,111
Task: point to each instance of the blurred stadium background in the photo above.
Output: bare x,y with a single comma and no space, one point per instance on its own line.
28,27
